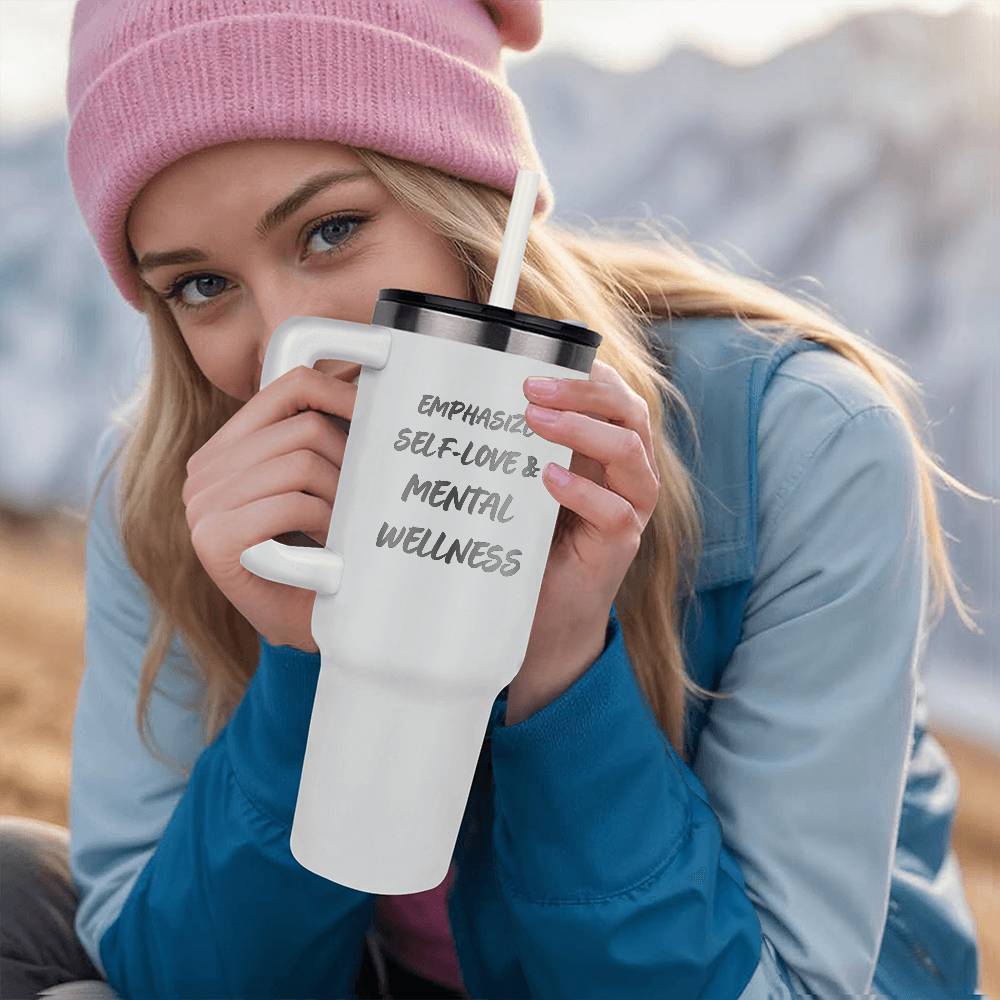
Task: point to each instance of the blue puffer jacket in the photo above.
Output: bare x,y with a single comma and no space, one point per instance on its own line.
805,849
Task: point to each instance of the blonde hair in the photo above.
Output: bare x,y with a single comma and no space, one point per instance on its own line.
613,284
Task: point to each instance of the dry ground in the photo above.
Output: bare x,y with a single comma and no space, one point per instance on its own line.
41,656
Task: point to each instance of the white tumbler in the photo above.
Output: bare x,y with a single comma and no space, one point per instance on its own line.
428,584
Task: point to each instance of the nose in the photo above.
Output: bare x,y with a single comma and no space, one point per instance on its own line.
278,296
346,370
260,353
269,321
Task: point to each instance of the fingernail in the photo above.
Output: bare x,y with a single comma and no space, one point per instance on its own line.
542,414
543,386
557,473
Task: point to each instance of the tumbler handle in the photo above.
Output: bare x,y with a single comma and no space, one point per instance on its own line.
304,340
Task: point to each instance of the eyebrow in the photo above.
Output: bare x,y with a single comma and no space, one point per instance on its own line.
269,221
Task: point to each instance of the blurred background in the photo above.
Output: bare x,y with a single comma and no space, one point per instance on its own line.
849,152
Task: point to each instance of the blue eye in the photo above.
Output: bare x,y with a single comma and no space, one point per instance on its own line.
204,283
335,220
177,288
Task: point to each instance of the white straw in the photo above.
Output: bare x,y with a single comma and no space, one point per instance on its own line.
515,237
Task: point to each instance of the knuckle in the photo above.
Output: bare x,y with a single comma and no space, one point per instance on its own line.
198,536
296,380
307,464
632,446
192,506
629,524
299,462
325,519
191,516
654,472
317,425
624,516
190,489
314,378
654,494
306,507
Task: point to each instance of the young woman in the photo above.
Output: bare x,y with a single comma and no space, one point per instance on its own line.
711,776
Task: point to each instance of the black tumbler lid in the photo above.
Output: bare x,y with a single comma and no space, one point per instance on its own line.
560,329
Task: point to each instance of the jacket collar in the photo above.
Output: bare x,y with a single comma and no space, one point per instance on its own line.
722,368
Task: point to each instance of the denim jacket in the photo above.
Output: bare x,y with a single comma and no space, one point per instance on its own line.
804,850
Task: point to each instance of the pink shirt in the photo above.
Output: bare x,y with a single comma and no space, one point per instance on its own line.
415,930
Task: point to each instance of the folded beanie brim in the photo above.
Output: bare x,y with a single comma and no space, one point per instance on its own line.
294,76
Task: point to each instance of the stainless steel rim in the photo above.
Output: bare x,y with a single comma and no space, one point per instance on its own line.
489,334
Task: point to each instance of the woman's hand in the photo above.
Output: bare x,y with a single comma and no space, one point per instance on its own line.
272,468
613,487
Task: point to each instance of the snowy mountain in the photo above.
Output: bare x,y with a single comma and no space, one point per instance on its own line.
860,167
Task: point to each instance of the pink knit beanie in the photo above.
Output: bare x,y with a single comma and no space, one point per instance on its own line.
152,80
